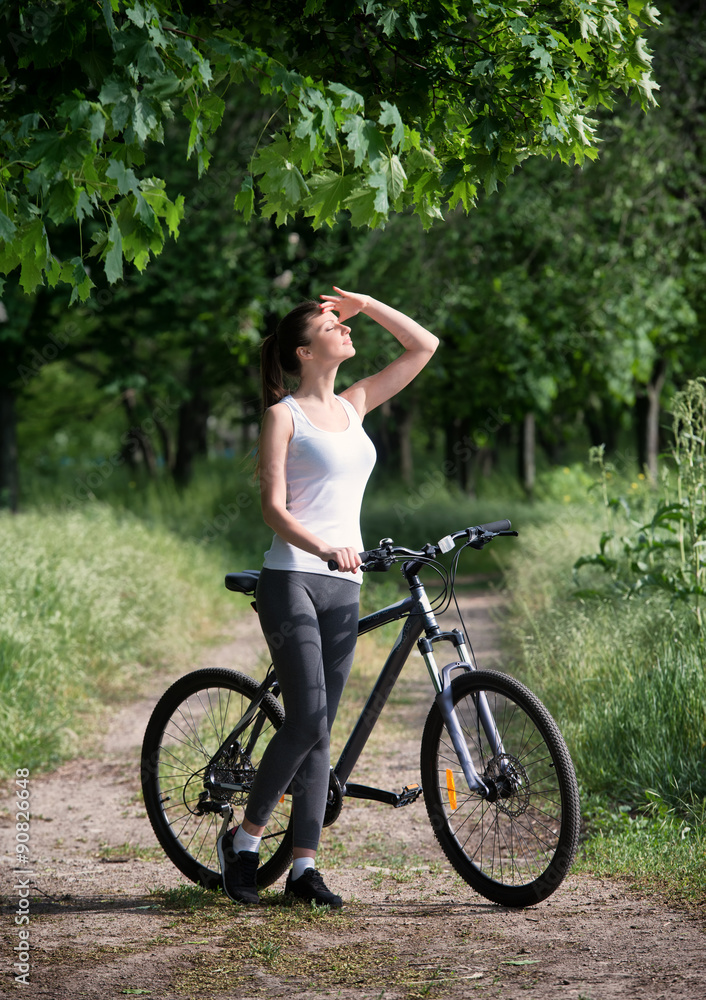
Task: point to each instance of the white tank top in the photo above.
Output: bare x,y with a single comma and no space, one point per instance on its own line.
327,472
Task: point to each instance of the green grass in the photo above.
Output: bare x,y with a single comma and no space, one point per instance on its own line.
654,848
189,898
219,511
651,714
625,681
129,852
94,600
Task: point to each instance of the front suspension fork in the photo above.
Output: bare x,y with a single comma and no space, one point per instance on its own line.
444,700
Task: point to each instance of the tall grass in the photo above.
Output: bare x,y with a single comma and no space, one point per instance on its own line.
625,678
625,681
221,508
643,728
218,511
92,599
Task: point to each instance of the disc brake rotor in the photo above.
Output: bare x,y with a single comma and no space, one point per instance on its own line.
512,783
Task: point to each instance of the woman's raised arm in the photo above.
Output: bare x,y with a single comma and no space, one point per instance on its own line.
419,345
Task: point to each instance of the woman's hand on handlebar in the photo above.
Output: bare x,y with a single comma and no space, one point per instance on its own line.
345,557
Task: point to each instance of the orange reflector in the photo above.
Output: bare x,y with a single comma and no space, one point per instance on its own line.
282,799
451,787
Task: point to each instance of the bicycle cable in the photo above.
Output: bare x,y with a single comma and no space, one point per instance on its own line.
442,602
457,556
438,600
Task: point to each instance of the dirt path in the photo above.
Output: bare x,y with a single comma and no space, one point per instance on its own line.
99,928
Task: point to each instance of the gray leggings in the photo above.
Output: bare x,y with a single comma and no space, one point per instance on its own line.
310,622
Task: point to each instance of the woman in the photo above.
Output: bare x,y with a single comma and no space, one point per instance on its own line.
315,460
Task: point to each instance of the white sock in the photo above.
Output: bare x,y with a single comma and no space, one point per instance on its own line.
300,865
243,841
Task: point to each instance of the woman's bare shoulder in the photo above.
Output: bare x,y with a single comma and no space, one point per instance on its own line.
278,420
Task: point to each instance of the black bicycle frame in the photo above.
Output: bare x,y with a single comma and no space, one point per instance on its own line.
419,618
409,634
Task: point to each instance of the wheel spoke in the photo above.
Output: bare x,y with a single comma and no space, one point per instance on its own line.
189,725
507,843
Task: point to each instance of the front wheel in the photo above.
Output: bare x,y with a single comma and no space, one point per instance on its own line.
516,845
192,792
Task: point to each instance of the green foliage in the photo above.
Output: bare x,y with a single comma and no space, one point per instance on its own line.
668,551
563,297
93,599
378,109
560,300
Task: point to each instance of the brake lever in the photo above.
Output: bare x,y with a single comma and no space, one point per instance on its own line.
377,566
487,536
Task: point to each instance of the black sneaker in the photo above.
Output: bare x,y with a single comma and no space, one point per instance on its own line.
311,887
238,871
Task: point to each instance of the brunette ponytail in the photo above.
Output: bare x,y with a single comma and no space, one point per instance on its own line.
278,354
271,374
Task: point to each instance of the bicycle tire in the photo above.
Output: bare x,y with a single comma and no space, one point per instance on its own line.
188,725
516,850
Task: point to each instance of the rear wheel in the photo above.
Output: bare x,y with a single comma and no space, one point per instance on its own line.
191,795
516,845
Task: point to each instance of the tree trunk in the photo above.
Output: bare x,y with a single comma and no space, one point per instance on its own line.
602,429
192,436
9,475
454,453
467,456
393,443
647,410
480,463
641,415
449,441
654,391
381,436
137,437
163,432
405,420
526,454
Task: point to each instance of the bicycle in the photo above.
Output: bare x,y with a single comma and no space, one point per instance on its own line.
497,778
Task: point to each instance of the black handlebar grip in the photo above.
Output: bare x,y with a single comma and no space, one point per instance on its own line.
496,526
365,555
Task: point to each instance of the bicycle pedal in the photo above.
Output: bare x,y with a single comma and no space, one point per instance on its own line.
410,793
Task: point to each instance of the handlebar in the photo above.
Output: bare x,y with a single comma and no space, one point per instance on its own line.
385,554
366,556
496,527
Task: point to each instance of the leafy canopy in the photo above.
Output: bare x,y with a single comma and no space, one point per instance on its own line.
377,108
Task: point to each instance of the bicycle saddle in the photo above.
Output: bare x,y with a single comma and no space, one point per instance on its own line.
243,583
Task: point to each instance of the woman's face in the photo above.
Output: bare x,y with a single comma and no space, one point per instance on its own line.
330,339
